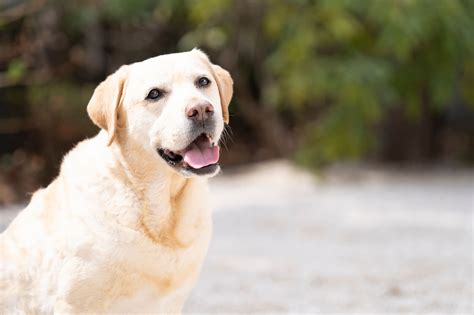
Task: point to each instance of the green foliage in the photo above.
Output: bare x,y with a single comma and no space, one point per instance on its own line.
339,67
128,9
16,70
61,103
361,57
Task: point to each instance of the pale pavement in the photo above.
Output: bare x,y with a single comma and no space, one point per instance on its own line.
359,240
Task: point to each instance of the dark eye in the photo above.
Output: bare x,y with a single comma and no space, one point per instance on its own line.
203,81
154,94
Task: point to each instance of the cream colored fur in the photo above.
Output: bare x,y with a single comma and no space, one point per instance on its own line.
119,231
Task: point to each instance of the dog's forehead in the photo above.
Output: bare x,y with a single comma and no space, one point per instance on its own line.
171,67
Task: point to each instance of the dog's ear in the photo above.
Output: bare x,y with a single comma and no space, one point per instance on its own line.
225,85
104,104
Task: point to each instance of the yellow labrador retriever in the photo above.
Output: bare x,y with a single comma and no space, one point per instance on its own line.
125,226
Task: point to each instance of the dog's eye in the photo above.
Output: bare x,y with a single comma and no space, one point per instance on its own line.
154,94
203,81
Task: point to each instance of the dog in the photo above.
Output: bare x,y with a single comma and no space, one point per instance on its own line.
126,224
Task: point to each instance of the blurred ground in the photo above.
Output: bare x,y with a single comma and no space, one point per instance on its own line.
358,240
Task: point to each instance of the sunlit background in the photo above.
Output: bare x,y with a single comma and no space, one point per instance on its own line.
377,97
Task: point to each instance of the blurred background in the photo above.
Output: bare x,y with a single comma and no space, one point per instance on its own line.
315,81
318,83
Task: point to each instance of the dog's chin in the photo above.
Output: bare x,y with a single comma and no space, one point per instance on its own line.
199,158
207,171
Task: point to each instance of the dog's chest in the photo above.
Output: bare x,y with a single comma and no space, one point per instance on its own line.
160,284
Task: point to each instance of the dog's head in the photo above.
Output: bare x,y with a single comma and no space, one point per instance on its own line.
174,105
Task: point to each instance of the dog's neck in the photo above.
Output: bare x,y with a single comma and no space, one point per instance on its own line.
162,195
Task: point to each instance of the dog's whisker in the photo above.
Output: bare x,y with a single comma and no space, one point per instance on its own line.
226,136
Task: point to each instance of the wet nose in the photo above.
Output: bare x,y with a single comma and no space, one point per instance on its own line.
199,112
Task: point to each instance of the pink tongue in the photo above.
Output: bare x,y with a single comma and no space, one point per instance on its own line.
199,154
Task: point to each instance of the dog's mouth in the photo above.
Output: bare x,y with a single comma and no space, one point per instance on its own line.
200,157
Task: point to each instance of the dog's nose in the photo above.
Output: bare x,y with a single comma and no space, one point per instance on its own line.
199,112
